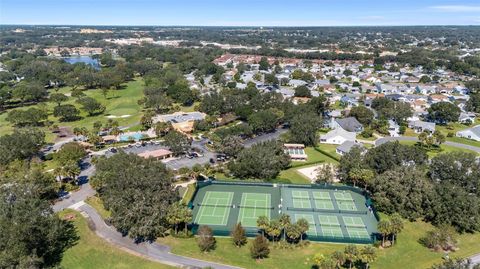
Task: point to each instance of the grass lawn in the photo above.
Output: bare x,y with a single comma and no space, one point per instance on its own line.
407,253
118,103
187,196
464,141
291,175
410,132
453,127
96,203
444,149
92,251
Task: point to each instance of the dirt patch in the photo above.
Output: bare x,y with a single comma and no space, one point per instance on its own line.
312,173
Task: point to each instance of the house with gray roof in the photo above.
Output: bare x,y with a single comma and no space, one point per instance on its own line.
421,126
470,133
349,124
347,146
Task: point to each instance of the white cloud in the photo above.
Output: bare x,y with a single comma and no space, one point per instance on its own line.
457,8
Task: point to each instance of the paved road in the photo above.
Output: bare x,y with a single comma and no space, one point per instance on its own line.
265,137
408,138
475,259
152,251
83,193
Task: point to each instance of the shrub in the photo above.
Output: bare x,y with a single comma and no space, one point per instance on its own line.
206,241
259,248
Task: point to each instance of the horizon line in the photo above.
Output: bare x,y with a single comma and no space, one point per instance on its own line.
242,26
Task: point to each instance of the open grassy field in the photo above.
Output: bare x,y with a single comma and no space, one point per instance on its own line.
92,251
118,103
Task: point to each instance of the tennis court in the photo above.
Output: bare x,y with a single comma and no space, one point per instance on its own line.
215,208
353,222
346,205
360,233
343,196
301,199
252,206
312,230
334,213
322,200
330,226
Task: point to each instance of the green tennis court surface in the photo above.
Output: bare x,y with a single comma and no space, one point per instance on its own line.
353,222
321,195
343,196
347,205
334,213
252,206
301,199
324,204
360,233
312,230
215,208
328,220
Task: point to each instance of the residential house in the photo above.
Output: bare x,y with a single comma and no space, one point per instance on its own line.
349,124
346,146
470,133
421,126
337,137
393,128
296,82
466,118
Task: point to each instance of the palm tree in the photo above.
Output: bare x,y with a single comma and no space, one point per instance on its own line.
58,173
293,232
351,254
384,227
396,225
262,224
304,226
274,229
174,216
367,255
284,221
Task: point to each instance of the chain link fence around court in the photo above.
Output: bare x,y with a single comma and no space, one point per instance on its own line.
355,219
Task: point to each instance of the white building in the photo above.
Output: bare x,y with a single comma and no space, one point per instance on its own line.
470,133
338,137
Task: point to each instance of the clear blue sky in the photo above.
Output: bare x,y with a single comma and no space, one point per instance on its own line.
241,12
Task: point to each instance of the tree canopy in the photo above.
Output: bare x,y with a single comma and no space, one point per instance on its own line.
137,191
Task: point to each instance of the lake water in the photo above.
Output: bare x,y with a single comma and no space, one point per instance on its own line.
83,59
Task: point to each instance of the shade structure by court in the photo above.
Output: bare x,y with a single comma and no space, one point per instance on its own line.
334,213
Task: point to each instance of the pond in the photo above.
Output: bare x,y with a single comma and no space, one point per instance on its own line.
83,59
